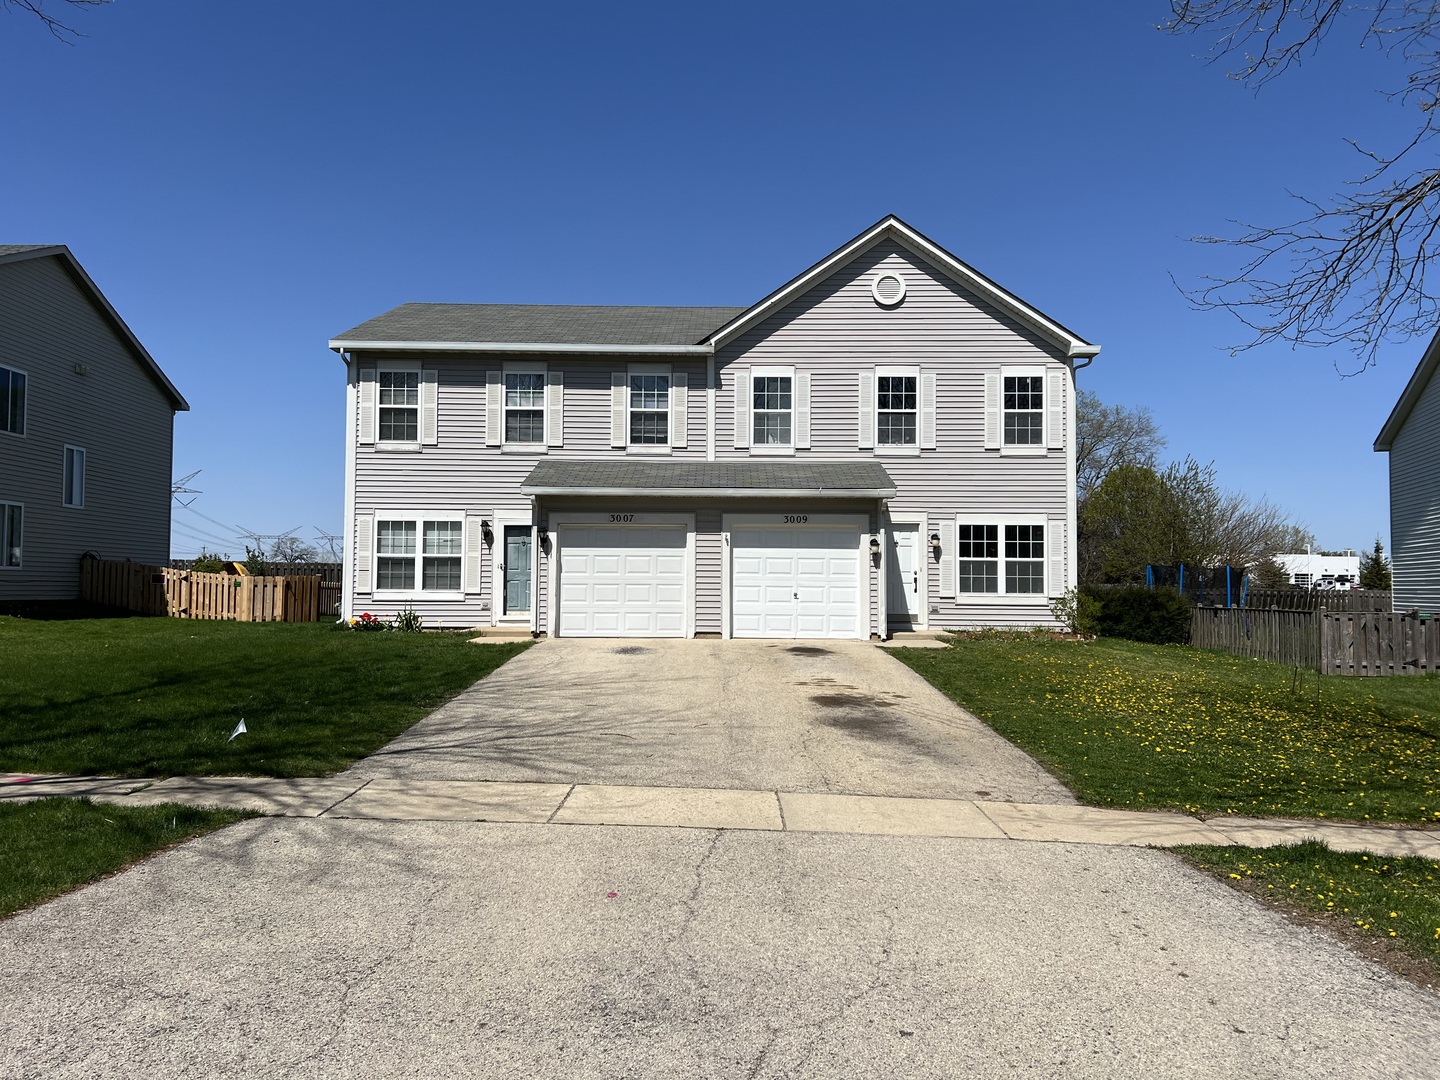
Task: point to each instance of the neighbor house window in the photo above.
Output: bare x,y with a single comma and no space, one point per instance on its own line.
399,405
525,407
419,555
773,409
649,409
1024,417
11,517
73,485
897,417
12,401
1000,558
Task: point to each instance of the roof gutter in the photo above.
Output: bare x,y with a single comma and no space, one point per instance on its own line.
714,493
339,344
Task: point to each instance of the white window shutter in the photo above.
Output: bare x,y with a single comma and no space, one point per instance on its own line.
367,406
927,411
992,411
802,411
364,552
474,549
555,407
947,556
1055,538
429,407
867,410
1055,411
742,409
619,408
680,410
494,407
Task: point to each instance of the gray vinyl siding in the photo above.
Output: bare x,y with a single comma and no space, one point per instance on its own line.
836,330
1415,505
116,412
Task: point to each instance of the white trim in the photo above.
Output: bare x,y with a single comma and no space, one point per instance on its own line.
558,519
65,452
515,519
25,417
893,228
642,368
861,522
892,371
1001,596
526,367
347,528
419,517
715,493
1023,371
880,276
406,367
1072,492
919,519
338,344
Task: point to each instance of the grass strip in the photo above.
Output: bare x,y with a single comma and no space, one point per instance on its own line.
1150,727
1387,908
50,846
160,697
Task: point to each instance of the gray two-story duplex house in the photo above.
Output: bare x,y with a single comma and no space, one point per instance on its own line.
885,441
1411,436
86,429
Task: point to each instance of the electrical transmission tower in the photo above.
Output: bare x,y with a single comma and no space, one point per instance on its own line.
182,487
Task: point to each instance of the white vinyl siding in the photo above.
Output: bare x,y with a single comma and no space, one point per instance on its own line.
1414,508
72,483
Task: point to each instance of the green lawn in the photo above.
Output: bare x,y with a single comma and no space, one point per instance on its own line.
160,697
51,846
1361,896
1146,726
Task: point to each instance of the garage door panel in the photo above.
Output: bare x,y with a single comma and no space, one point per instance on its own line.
795,582
623,581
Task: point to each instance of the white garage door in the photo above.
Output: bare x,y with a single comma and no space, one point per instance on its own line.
622,581
795,582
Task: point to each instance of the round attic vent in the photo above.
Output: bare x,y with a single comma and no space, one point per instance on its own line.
888,288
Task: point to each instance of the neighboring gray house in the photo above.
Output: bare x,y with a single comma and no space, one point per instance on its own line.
1412,438
886,441
86,420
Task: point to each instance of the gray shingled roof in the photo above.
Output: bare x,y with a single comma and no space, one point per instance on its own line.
548,324
834,479
15,249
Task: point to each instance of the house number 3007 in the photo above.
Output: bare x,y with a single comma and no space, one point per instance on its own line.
622,517
796,519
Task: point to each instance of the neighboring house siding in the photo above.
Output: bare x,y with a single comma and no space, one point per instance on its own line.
116,412
837,329
1415,506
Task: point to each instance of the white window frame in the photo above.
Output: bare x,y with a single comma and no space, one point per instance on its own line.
1034,371
72,496
631,371
416,591
909,371
24,407
1000,521
771,371
403,367
6,541
519,367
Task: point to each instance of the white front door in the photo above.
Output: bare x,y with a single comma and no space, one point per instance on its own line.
622,581
795,582
904,575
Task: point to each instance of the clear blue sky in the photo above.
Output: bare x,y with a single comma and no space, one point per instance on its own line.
246,180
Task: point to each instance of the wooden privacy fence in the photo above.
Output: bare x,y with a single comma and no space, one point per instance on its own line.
1331,642
1314,600
185,594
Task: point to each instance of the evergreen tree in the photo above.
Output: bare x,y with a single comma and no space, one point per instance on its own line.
1375,568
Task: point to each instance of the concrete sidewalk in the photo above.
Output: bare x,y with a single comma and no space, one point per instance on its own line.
718,808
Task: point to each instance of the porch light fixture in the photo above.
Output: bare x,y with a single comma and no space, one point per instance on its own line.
874,545
544,537
487,534
935,545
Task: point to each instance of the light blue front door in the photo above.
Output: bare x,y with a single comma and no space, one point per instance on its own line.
517,569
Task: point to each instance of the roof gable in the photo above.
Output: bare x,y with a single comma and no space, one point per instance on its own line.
10,253
970,279
1410,396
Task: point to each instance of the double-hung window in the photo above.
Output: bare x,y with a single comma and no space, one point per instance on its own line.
897,408
11,533
73,483
772,408
12,401
524,407
399,405
1024,410
1000,557
419,555
649,408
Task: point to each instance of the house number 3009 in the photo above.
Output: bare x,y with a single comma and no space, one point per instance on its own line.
796,519
622,517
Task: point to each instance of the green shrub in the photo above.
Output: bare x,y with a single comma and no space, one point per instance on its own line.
1157,616
207,562
1078,611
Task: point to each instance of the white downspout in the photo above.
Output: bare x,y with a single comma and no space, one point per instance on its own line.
710,407
347,554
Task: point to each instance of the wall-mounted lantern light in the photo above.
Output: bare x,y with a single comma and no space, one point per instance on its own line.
874,545
487,534
544,535
935,545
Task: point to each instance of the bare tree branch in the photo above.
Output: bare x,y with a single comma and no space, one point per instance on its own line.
61,31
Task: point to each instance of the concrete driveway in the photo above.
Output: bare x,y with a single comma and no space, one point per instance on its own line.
835,716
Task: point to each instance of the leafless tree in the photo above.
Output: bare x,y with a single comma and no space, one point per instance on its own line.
1353,268
291,549
1110,436
61,30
